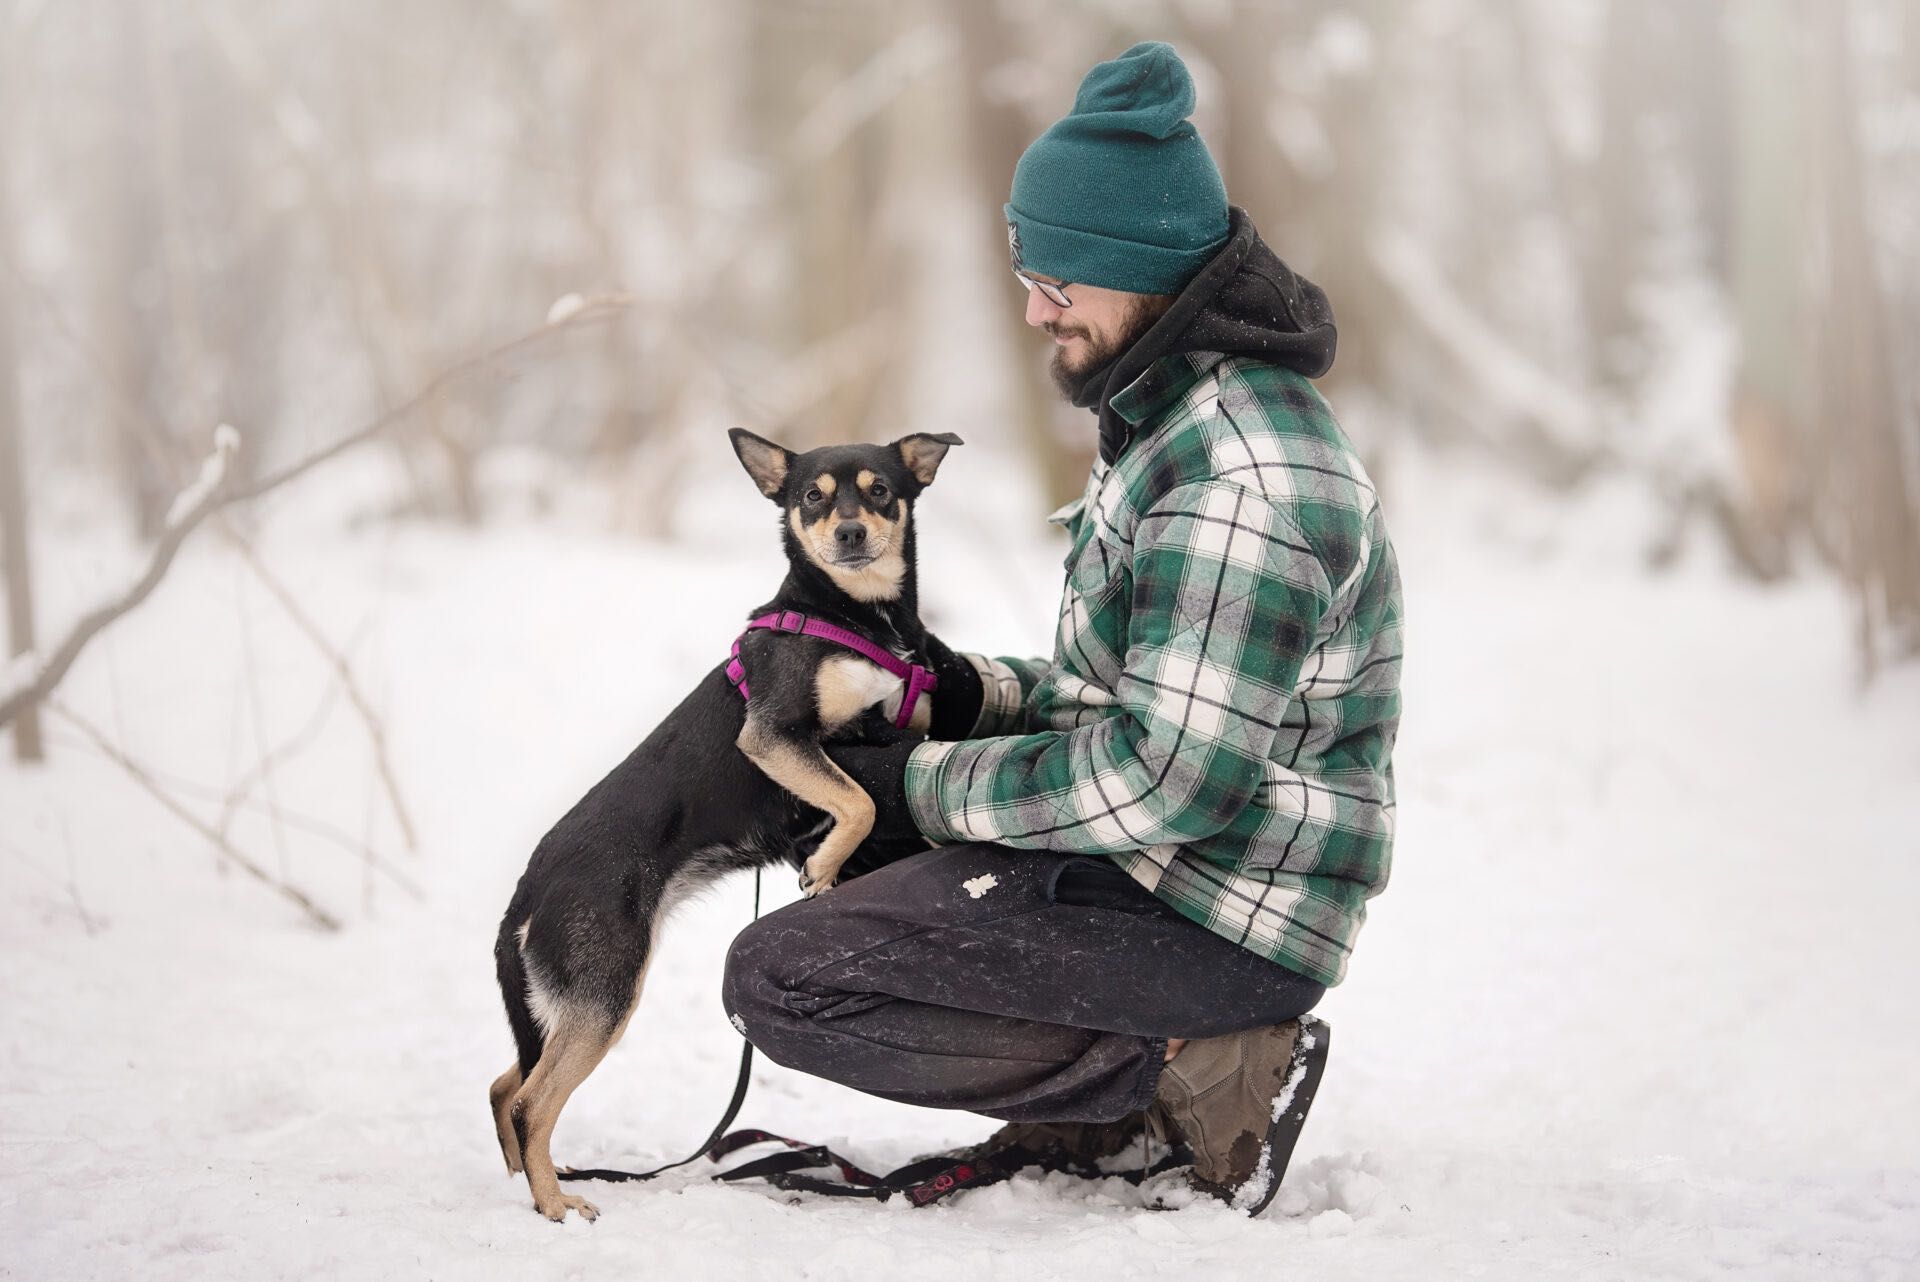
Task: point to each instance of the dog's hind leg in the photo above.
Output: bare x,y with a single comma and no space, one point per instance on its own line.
579,1040
500,1097
511,969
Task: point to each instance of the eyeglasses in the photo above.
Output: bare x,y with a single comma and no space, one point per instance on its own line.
1055,294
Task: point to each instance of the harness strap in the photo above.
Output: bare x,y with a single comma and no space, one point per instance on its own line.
920,680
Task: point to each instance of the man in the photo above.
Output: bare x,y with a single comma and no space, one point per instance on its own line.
1157,846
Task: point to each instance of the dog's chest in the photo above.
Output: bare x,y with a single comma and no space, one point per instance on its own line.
847,685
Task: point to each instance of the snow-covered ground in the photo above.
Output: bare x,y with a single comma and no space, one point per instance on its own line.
1636,1003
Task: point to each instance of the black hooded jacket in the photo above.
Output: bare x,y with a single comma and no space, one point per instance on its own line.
1244,302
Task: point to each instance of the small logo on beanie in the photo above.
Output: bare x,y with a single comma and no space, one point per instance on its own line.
1013,243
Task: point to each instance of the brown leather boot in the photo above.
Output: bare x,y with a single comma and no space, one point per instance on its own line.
1239,1102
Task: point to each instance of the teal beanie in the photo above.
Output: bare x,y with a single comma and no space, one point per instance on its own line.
1121,193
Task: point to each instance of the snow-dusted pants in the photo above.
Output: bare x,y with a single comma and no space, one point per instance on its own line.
1024,985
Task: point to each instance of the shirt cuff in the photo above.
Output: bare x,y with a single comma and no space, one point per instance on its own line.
923,789
1003,704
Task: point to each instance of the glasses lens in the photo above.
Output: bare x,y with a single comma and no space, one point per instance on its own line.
1055,294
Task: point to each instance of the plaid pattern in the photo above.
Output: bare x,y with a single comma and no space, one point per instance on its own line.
1220,709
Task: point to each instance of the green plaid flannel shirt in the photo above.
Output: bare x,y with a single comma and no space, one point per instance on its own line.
1219,713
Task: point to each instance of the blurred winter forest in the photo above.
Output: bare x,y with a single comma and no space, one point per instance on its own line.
364,374
515,248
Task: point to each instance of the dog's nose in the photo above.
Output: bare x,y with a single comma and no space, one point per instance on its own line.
849,534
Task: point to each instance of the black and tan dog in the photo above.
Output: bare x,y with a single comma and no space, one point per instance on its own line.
714,787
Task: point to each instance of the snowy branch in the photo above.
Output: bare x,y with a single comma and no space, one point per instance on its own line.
29,678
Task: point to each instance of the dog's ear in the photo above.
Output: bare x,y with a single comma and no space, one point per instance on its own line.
765,462
923,451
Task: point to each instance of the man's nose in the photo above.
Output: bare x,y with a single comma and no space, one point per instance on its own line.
849,535
1041,310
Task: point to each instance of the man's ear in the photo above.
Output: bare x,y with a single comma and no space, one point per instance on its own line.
923,451
765,462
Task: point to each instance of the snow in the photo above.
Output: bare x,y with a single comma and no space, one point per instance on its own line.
565,308
978,886
213,471
1634,1004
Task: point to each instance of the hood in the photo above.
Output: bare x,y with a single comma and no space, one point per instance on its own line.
1244,302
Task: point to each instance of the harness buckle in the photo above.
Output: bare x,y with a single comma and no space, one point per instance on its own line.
790,621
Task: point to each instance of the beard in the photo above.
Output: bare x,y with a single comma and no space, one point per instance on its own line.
1099,351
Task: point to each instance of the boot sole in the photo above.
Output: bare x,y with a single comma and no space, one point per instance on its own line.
1309,1063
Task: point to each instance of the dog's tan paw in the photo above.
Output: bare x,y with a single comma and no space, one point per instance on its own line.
556,1207
816,876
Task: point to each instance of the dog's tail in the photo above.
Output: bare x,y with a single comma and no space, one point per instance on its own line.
511,967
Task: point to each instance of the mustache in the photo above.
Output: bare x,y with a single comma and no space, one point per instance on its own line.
1055,330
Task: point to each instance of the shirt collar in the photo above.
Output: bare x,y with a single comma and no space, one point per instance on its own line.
1161,384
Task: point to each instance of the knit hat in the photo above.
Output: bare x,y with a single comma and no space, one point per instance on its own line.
1121,193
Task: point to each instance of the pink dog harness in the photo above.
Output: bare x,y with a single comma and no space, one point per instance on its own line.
919,680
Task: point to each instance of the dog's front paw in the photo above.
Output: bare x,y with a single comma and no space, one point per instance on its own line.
816,876
555,1208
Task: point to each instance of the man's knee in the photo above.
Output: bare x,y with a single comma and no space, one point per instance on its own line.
747,983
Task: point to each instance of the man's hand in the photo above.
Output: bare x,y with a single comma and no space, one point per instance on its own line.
956,704
881,771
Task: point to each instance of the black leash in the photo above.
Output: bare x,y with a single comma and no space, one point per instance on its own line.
922,1182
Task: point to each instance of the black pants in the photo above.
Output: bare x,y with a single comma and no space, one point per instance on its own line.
1020,984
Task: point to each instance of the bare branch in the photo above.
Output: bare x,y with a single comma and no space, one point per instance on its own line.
343,672
298,820
316,914
597,308
286,750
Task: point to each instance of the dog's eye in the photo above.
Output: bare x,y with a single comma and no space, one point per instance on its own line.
813,494
879,491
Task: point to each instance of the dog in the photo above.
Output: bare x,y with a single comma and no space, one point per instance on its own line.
731,779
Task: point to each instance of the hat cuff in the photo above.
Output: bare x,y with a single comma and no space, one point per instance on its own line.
1089,258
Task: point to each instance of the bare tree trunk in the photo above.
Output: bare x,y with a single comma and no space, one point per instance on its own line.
997,131
1251,38
1772,402
1615,192
128,280
1346,206
1700,65
1868,496
830,191
606,119
17,562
